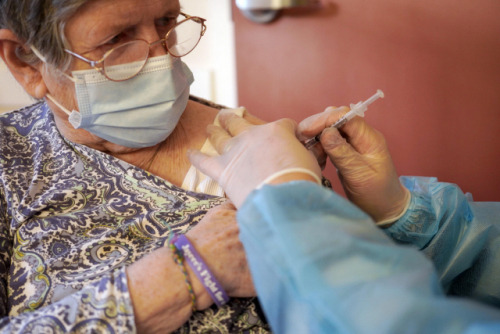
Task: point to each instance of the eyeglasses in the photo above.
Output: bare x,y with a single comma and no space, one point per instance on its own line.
180,40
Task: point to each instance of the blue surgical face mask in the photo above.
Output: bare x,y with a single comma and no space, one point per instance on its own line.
138,112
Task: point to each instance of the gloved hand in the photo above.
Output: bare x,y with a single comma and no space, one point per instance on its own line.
255,153
364,165
313,125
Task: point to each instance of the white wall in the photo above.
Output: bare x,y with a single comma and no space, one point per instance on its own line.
212,62
12,95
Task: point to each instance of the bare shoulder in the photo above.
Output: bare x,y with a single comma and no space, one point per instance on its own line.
211,105
194,121
198,115
204,112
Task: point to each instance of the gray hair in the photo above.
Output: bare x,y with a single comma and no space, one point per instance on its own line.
40,23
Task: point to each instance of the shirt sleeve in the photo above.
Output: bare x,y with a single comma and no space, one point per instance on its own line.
461,237
320,265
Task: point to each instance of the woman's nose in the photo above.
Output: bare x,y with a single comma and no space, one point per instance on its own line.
157,48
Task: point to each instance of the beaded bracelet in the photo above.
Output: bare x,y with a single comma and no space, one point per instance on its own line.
180,261
193,258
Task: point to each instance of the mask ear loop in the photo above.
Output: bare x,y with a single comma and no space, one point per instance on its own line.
38,54
51,98
74,116
43,59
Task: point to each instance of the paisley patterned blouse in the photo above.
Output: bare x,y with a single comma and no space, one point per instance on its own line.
71,219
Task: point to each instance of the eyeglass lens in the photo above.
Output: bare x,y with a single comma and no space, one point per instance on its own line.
184,37
180,40
134,54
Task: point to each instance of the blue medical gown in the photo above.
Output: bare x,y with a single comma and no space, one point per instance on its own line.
320,265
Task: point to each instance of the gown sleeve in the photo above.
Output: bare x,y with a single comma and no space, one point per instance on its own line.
461,237
320,265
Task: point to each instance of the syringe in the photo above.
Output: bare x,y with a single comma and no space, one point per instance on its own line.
357,109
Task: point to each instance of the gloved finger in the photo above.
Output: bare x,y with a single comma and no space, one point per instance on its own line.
315,124
319,153
317,150
362,137
253,119
206,164
218,137
289,124
340,152
233,123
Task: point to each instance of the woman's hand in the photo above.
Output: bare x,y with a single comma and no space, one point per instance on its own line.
249,154
156,284
216,238
365,168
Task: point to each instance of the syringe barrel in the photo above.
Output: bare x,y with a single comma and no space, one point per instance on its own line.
357,109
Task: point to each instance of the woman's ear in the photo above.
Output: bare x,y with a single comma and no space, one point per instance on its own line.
29,76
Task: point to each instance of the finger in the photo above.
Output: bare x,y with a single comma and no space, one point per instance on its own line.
362,136
224,209
233,123
334,114
228,205
288,124
218,137
253,119
319,154
206,164
331,139
284,128
340,152
314,124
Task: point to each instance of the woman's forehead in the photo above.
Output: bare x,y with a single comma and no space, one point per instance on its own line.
102,11
99,17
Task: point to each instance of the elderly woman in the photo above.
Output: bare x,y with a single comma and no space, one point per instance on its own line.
94,177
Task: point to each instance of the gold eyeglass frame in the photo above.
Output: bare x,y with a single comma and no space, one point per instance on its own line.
95,63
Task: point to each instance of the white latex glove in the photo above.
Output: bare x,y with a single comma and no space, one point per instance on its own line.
364,165
250,154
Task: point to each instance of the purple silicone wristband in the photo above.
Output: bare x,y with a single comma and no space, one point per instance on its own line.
201,270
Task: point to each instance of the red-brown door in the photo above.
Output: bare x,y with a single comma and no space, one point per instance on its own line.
438,63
